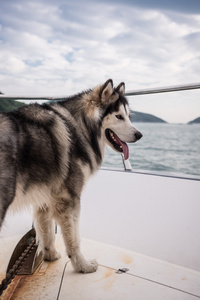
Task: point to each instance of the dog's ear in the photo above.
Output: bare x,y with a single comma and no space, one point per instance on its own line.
106,90
121,88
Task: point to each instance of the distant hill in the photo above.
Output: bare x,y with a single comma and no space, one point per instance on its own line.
8,105
142,117
195,121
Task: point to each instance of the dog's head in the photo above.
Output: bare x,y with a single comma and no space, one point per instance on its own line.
117,127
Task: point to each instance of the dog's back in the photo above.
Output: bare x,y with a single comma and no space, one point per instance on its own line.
8,154
28,151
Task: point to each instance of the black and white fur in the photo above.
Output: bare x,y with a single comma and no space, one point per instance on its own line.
47,154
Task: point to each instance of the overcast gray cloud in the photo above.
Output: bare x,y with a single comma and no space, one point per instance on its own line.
62,47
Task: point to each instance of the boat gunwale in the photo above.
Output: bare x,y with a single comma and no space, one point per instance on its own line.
155,173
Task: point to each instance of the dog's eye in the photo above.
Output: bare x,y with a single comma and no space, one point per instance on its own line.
119,117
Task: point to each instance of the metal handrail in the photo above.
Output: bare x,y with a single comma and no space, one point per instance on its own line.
31,98
176,88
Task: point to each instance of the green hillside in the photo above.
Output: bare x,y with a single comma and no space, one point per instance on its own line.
142,117
8,105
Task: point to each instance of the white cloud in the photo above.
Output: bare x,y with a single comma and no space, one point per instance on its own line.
62,47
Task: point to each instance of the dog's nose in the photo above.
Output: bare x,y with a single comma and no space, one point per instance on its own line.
138,135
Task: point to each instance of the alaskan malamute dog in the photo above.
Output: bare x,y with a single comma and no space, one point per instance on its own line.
48,152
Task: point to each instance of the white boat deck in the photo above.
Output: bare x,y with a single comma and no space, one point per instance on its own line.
147,278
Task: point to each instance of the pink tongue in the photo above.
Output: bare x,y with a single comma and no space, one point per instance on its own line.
124,146
125,150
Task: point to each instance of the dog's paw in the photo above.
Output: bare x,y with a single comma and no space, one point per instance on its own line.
51,254
87,267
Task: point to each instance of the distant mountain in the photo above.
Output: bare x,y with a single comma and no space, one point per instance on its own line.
142,117
195,121
8,105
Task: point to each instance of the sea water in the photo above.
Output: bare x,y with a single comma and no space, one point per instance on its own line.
164,147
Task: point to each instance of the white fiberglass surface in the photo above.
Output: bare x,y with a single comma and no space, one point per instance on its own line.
153,215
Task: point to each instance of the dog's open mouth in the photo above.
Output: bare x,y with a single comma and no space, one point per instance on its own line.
117,143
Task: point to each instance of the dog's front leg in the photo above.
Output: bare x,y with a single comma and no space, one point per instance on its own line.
45,232
68,220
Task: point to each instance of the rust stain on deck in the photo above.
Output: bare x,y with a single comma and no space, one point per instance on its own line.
109,277
107,273
127,259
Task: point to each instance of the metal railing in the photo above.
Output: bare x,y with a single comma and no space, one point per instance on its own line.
175,88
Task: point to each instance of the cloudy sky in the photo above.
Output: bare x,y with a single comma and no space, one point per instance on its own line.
62,47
